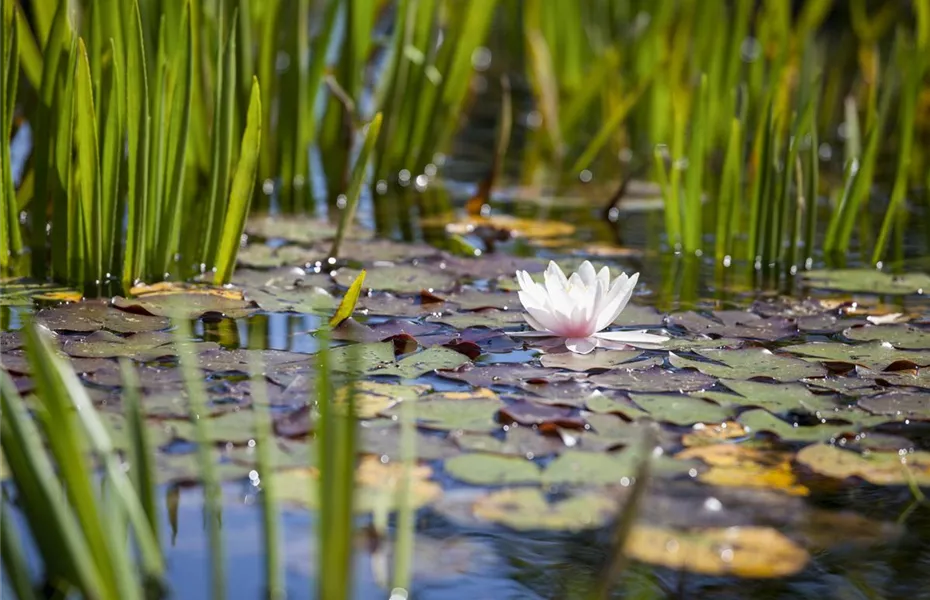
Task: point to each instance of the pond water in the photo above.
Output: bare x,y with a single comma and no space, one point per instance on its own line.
794,429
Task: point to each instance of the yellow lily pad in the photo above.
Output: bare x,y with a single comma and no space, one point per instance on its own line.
879,468
746,466
756,552
528,509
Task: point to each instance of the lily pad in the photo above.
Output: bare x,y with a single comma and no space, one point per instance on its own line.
388,441
680,409
736,324
293,228
531,413
473,299
879,468
575,467
899,336
188,303
403,279
599,359
485,318
654,379
527,509
899,404
518,441
505,374
774,397
748,363
138,346
262,256
868,280
302,299
748,551
88,316
420,363
377,485
492,469
600,403
455,415
877,356
23,292
757,421
746,466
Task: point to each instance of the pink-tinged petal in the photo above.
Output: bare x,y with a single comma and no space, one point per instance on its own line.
633,338
587,274
581,345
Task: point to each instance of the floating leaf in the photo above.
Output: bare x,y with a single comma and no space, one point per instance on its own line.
505,374
748,551
527,509
403,279
867,280
774,397
600,403
518,441
575,467
348,302
748,363
293,228
88,316
599,359
23,292
303,299
703,435
899,404
736,324
899,336
879,468
421,363
746,466
485,318
654,379
492,469
758,420
472,299
679,409
188,303
387,441
455,415
378,485
873,355
261,256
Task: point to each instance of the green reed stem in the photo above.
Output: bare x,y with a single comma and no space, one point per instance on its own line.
406,525
200,417
264,438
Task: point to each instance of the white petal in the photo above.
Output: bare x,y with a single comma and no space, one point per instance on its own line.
633,338
603,276
534,290
535,324
587,274
542,314
554,272
581,345
610,312
533,334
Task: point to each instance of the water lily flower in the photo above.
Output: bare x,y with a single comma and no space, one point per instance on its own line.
580,307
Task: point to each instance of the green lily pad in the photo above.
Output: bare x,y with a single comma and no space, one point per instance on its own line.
873,355
262,256
527,509
736,324
867,280
518,441
848,386
899,336
599,359
700,343
285,454
600,403
575,467
284,277
159,432
186,468
23,292
386,441
455,415
485,318
919,378
609,432
680,409
366,357
293,228
653,379
899,404
403,279
774,397
472,299
748,363
492,469
138,346
421,363
303,299
88,316
758,420
188,304
878,468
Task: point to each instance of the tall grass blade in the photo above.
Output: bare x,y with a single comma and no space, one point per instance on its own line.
11,241
137,120
212,493
354,192
85,123
264,438
695,176
406,525
111,159
15,566
57,531
142,467
240,196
